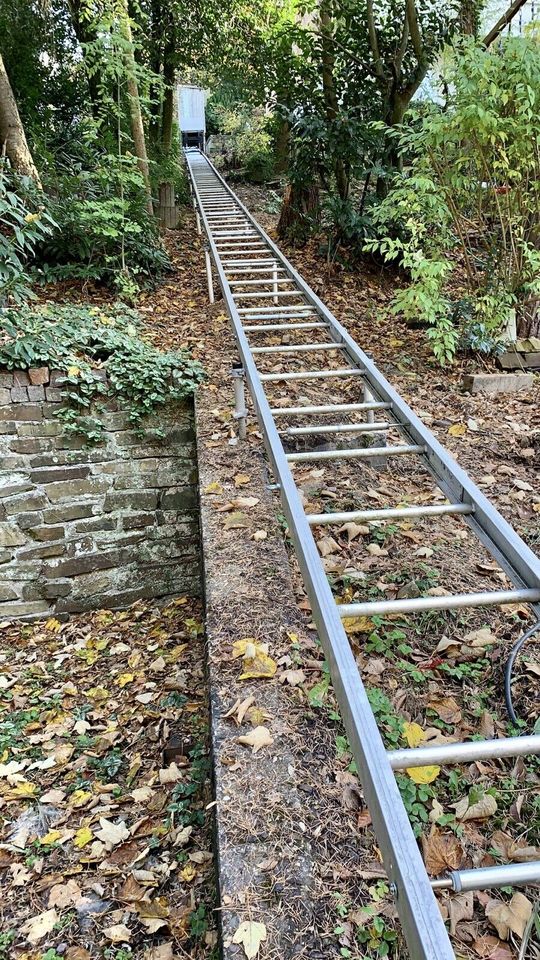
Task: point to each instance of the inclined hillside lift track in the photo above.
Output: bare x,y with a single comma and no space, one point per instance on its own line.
250,267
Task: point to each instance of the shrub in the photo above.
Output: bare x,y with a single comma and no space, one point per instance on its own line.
24,222
80,340
472,191
104,231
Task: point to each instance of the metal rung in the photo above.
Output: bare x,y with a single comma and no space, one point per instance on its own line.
263,294
488,878
253,283
362,452
281,316
397,513
268,270
376,427
299,348
270,327
446,753
329,408
448,602
246,264
293,309
314,374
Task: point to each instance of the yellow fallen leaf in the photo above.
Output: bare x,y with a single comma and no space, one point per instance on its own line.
51,837
83,836
79,798
214,487
97,693
457,430
413,734
423,774
358,625
188,873
53,625
250,934
241,479
23,791
124,679
258,666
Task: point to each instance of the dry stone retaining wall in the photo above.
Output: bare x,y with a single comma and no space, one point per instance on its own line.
84,527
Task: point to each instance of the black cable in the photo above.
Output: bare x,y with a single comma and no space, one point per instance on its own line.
510,666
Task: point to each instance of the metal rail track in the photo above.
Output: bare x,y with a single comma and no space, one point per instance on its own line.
263,293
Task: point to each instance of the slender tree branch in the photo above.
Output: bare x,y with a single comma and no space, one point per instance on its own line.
503,21
414,28
373,41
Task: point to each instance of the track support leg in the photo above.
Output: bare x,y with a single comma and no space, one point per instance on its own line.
240,412
209,274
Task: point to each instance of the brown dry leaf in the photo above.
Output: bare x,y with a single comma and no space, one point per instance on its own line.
260,535
327,546
513,916
77,953
131,891
441,852
111,834
170,774
20,874
292,677
64,894
35,928
491,948
244,502
236,521
376,551
163,952
460,907
480,638
447,709
118,933
353,530
481,810
257,739
511,849
250,934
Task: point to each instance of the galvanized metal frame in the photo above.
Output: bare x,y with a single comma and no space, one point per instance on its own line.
423,927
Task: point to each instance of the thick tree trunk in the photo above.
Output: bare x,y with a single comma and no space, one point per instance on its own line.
12,135
137,127
329,90
528,319
282,146
299,212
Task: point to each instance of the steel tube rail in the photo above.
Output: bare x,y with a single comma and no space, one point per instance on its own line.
444,753
487,878
452,601
421,920
392,513
502,541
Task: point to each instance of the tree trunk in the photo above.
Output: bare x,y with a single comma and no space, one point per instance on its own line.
12,135
528,319
137,127
299,212
329,90
167,117
282,146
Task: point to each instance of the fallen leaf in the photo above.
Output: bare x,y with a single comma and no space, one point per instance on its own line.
124,679
491,948
170,774
64,894
257,739
441,852
413,734
213,488
354,530
35,928
513,916
292,677
118,933
241,479
236,521
460,907
111,834
83,836
457,430
481,810
423,774
20,874
447,709
260,535
250,934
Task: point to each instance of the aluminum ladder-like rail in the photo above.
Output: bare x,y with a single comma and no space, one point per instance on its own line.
250,267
